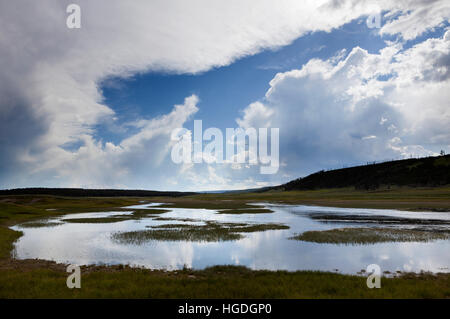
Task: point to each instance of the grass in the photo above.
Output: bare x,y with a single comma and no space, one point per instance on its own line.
214,282
135,215
261,227
7,239
40,224
149,211
370,235
158,218
166,226
140,237
208,232
245,211
378,219
29,209
96,220
16,209
404,198
201,202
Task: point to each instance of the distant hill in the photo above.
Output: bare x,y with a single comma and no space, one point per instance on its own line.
427,171
80,192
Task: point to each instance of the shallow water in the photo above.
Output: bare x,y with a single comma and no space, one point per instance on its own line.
92,244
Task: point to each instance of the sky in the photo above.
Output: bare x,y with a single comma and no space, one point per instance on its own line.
96,106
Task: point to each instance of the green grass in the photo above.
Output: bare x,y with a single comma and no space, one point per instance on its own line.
40,224
16,209
198,201
95,220
215,282
370,235
208,232
191,234
166,226
136,215
147,212
385,220
166,219
261,227
404,198
11,213
245,211
31,210
7,239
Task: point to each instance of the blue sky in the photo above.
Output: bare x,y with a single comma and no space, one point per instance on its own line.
96,106
225,91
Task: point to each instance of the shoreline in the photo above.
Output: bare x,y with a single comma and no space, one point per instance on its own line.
47,279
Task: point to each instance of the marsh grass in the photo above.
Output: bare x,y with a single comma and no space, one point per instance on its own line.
165,226
150,211
7,239
96,220
404,198
158,218
39,224
135,215
215,282
32,209
245,211
378,219
208,232
197,201
261,227
181,234
370,235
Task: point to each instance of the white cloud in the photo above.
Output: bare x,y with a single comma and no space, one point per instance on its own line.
420,16
95,164
255,115
329,111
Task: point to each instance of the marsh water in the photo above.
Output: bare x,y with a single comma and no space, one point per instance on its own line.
92,243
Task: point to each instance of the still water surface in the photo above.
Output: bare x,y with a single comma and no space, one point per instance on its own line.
80,243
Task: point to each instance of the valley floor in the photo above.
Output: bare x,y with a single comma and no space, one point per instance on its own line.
44,279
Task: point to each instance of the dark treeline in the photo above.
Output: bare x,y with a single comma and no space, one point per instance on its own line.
80,192
428,171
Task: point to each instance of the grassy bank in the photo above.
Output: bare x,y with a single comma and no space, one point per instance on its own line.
404,198
29,208
215,282
245,211
208,232
7,239
364,235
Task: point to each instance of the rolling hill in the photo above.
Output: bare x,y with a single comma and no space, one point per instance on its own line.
427,171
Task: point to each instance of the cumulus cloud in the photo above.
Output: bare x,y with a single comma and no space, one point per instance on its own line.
363,107
51,76
131,162
421,16
255,115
